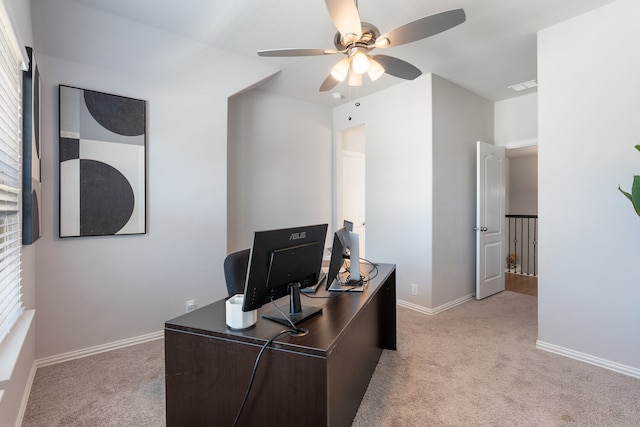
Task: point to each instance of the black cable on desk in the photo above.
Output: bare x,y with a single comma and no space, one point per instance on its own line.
363,279
255,369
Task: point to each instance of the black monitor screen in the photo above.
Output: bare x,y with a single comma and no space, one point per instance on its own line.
343,234
337,260
280,257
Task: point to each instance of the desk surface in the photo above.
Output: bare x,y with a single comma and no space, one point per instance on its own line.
339,310
208,365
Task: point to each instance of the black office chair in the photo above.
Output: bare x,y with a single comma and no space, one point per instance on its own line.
235,271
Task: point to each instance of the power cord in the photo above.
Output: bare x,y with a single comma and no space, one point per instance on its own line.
363,280
294,330
293,326
255,369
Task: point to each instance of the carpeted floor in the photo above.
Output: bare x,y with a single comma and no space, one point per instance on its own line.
123,387
473,365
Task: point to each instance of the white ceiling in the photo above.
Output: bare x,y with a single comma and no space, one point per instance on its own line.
493,49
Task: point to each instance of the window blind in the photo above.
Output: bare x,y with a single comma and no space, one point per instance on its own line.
10,176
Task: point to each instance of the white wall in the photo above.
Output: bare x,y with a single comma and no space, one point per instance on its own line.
589,99
279,165
398,180
516,120
399,175
97,290
420,183
523,185
460,118
516,127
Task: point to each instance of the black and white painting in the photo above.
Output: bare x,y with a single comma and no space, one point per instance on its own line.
102,164
31,182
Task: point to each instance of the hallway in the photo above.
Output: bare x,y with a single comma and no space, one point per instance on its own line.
521,283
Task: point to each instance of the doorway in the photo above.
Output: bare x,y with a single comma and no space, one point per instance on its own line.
351,181
522,199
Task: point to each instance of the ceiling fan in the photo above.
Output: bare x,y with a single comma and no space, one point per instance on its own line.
356,39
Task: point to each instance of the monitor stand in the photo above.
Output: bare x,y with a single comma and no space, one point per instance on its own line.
297,312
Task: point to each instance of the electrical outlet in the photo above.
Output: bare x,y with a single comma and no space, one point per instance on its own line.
414,289
190,305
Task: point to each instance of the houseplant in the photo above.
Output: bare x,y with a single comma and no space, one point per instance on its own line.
634,196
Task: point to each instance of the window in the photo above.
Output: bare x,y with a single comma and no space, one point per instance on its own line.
10,174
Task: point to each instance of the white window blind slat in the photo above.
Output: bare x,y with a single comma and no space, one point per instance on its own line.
7,242
8,296
11,275
11,60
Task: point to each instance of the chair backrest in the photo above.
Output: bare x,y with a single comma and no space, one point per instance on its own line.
235,271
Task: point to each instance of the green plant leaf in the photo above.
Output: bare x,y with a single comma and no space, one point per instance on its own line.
630,197
627,195
635,193
634,196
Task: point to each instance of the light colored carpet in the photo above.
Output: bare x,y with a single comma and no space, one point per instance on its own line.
119,388
477,365
473,365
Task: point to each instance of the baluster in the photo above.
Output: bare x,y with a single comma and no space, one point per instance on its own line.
528,247
535,244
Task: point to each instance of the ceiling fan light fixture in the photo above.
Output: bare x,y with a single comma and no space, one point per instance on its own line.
340,70
382,42
360,61
355,79
375,70
355,38
349,38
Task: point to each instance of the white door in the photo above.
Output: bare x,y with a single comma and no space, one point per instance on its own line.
490,196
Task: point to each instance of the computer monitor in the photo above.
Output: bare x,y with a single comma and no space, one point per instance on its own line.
354,282
343,234
337,260
282,262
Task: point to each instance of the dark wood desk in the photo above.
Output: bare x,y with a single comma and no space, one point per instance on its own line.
314,380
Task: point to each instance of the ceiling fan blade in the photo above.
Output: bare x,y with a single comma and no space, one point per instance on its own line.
421,28
328,83
397,67
345,16
296,52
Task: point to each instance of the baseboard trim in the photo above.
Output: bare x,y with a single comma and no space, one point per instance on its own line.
65,357
25,395
587,358
439,309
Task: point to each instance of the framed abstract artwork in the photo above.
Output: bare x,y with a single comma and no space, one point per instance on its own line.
31,181
102,164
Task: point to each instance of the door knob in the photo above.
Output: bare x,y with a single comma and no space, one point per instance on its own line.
481,228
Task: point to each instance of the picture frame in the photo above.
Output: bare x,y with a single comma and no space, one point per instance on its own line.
31,162
102,155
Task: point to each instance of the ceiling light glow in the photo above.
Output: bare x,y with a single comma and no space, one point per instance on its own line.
360,62
340,70
375,70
